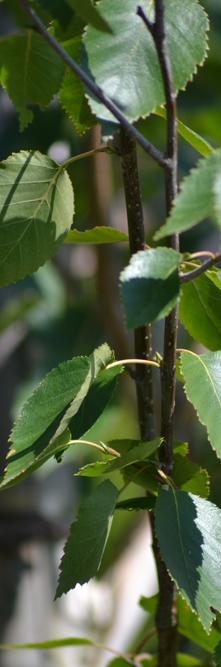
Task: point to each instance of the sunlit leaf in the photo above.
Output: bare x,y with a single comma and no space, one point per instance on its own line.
188,529
36,204
30,71
199,143
200,309
45,426
203,388
137,452
85,544
150,286
132,46
96,235
199,197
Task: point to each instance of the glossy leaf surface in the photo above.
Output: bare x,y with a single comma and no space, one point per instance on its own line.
199,197
36,204
85,544
120,63
150,286
189,533
203,389
30,71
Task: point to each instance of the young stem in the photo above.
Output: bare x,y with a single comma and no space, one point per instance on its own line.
142,335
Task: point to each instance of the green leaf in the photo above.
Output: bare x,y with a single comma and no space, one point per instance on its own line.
137,504
17,308
149,604
200,309
94,403
137,451
150,286
45,425
203,390
96,235
86,542
199,197
51,643
71,92
30,71
119,662
188,476
58,9
188,623
132,452
36,204
188,529
132,46
194,139
95,469
190,627
217,655
90,14
143,475
141,451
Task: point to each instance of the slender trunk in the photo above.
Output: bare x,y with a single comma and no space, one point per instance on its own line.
142,335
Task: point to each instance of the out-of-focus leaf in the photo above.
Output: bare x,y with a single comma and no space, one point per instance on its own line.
86,542
96,235
150,286
188,624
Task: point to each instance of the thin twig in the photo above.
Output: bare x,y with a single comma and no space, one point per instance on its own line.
191,275
157,155
102,447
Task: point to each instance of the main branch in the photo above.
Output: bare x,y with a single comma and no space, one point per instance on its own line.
142,335
166,616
